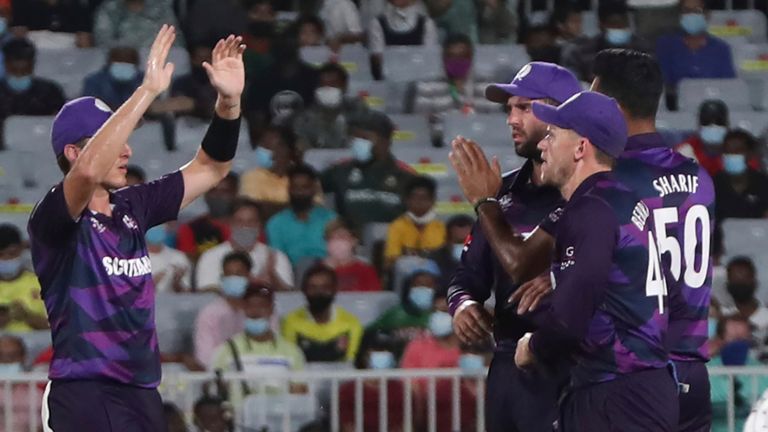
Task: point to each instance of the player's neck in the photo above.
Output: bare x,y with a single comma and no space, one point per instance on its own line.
100,202
536,173
640,126
582,173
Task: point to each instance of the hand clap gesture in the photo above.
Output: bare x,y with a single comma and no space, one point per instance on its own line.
226,71
158,73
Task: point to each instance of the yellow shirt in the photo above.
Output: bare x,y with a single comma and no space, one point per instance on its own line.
336,340
25,290
405,238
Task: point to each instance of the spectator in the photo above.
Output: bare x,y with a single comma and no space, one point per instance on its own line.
57,16
212,228
403,22
325,332
135,175
692,52
615,32
258,348
341,21
213,415
368,188
566,23
171,270
212,19
21,93
742,286
376,354
298,231
174,418
310,30
418,231
131,23
191,94
455,17
497,22
21,306
12,359
324,123
268,264
224,318
410,319
448,257
5,31
541,44
437,349
117,80
261,33
353,274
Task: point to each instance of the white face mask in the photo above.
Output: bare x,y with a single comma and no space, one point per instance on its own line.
423,220
329,97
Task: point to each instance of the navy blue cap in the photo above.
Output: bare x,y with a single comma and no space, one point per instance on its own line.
537,80
592,115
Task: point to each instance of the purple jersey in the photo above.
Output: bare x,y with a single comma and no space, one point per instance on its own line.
681,196
608,310
97,284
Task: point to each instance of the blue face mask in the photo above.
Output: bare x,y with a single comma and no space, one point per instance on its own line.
234,286
263,157
618,37
713,134
735,164
10,268
155,236
712,327
693,23
19,84
256,326
10,369
422,297
440,324
457,250
362,149
122,72
381,360
471,363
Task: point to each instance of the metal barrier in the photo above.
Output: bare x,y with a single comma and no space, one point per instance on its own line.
180,389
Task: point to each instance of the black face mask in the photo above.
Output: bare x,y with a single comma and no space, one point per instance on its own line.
301,203
741,293
319,303
261,29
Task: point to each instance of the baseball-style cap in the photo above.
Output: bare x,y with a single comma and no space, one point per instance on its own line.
592,115
78,119
537,80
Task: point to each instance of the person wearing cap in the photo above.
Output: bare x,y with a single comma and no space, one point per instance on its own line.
90,255
515,400
368,188
609,311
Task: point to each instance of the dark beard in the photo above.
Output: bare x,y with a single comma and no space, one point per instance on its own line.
530,149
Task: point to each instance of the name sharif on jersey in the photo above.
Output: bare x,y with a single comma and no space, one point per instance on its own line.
127,267
676,183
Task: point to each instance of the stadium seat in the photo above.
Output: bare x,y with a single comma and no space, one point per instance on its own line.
751,59
190,132
735,23
366,306
17,217
178,56
755,123
745,237
385,96
69,67
589,23
679,120
488,130
354,58
373,236
411,130
320,159
175,319
498,62
734,92
412,63
265,412
31,133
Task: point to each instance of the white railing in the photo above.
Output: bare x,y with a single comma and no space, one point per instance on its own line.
184,389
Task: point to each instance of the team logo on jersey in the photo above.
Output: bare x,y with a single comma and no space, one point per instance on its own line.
355,176
505,202
523,72
570,258
97,225
555,215
130,223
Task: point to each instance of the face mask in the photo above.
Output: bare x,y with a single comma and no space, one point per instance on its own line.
155,236
261,29
263,157
3,25
471,363
329,97
693,23
362,149
457,250
319,303
440,324
735,353
713,134
734,164
712,327
422,297
244,237
381,360
423,220
234,286
617,37
10,369
300,204
256,326
19,84
10,268
457,68
219,207
122,72
340,249
741,293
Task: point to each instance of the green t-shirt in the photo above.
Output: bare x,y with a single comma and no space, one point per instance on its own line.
402,326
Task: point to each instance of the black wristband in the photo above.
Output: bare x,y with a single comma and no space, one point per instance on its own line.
482,201
220,141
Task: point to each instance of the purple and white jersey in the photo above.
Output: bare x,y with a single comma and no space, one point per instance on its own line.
680,195
96,281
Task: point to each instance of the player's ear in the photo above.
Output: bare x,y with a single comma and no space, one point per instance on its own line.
580,149
71,152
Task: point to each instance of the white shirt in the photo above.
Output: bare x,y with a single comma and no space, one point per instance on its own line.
165,263
340,17
400,21
208,272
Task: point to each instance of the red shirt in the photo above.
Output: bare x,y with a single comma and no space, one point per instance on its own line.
358,276
712,163
371,405
201,234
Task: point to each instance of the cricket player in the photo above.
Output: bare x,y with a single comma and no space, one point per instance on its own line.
89,253
516,400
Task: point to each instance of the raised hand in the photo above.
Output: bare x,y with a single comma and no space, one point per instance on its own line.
158,73
226,71
477,177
